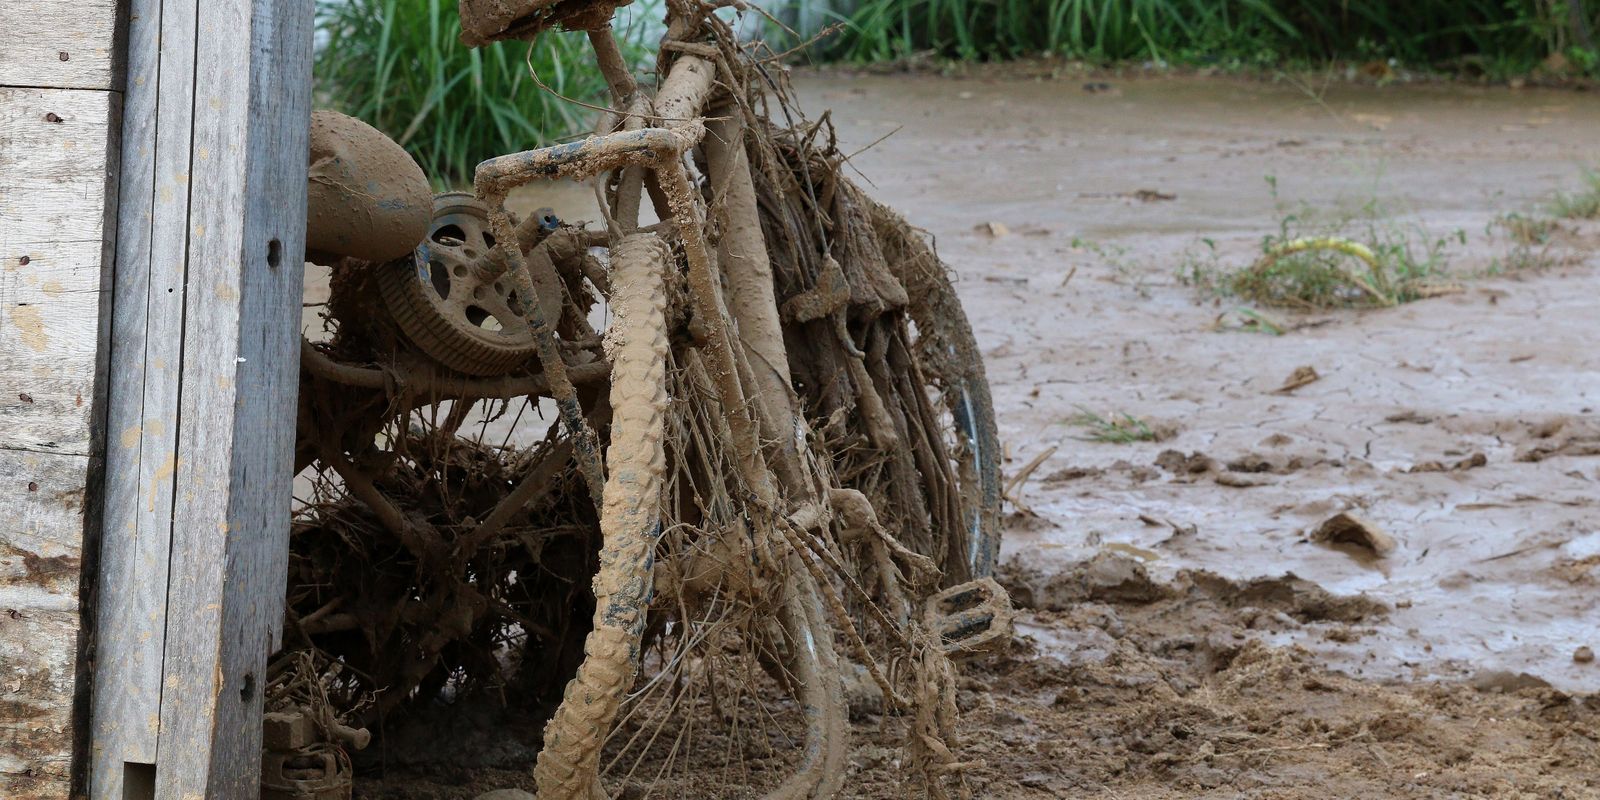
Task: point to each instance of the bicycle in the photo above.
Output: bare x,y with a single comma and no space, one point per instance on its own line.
783,438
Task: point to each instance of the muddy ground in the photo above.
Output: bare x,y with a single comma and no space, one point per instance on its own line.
1181,637
1186,638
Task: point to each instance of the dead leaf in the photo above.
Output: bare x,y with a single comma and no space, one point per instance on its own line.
1300,377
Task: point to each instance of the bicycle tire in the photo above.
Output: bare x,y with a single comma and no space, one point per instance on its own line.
630,523
947,348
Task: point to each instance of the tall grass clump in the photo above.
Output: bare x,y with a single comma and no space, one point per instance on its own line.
399,65
1495,36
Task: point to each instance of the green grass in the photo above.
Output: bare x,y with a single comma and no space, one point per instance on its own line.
1119,428
1582,204
1525,229
1496,36
399,65
1403,266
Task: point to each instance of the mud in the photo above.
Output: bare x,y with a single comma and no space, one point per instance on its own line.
1462,426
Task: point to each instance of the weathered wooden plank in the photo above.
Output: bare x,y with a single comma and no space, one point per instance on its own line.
53,156
142,417
42,495
59,142
56,194
46,135
238,396
62,44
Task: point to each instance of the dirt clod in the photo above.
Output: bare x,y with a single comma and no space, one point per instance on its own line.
1499,680
1583,655
1175,462
1348,529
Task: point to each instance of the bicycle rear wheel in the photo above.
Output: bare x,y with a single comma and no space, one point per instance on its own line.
953,368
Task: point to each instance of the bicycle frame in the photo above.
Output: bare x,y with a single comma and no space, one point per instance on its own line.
655,156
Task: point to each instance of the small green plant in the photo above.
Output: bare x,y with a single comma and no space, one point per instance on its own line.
1582,204
1315,273
1524,229
1337,257
399,65
1199,266
1531,245
1119,428
1128,271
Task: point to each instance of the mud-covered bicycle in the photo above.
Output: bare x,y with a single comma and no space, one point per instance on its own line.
775,468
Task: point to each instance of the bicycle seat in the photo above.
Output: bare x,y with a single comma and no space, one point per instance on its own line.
485,21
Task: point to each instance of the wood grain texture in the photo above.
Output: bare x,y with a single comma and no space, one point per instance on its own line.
142,417
239,390
54,147
42,495
57,195
61,44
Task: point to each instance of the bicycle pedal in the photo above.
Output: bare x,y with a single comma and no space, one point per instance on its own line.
970,619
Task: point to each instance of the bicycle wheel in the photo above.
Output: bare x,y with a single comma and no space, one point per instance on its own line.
716,615
885,362
950,361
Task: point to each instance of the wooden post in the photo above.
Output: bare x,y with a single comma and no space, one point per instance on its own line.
60,102
204,376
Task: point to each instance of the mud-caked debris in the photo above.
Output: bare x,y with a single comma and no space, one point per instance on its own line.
1251,462
1583,655
1106,578
1460,465
1348,529
1066,474
1175,462
863,694
366,197
1238,480
1504,681
1302,600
